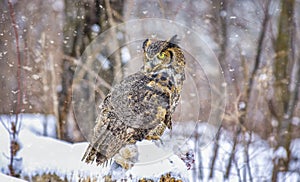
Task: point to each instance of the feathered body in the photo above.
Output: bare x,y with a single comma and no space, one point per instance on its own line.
140,107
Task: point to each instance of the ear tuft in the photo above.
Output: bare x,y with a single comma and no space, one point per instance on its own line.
146,44
174,40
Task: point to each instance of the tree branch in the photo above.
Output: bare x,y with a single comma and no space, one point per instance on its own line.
19,93
117,65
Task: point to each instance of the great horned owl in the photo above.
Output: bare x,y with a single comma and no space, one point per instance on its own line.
140,107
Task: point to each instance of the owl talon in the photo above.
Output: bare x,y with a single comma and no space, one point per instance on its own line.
127,156
153,138
131,141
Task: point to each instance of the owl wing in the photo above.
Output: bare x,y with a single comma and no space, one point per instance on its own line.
128,113
104,135
140,103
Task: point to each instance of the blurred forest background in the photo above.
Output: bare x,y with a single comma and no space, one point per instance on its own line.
257,43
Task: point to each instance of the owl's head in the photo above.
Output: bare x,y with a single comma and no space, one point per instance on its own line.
162,56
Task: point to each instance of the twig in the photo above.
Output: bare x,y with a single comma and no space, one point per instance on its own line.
200,167
18,103
232,154
83,66
238,170
162,9
216,151
197,173
259,49
247,158
224,35
117,15
117,66
13,130
54,92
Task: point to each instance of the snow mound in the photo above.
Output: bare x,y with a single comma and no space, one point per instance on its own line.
40,154
154,161
6,178
47,155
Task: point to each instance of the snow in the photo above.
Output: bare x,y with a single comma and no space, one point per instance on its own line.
296,121
54,156
58,5
153,161
6,178
105,64
125,55
35,123
280,153
64,159
40,153
96,28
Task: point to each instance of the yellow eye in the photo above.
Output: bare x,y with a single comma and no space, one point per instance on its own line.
161,55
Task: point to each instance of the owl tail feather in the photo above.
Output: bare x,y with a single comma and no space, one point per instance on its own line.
91,153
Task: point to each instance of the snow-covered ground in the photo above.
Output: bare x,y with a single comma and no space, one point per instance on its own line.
44,154
6,178
40,153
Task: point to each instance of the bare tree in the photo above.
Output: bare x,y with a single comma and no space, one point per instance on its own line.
282,104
